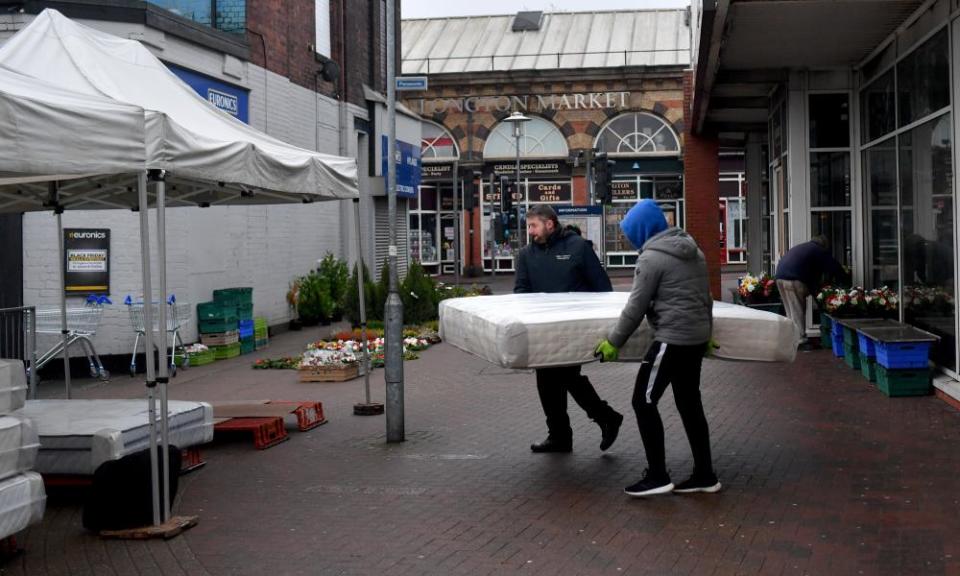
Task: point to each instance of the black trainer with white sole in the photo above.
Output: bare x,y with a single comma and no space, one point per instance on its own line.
650,485
707,484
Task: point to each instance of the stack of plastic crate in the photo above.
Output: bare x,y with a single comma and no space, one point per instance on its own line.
218,326
242,299
260,333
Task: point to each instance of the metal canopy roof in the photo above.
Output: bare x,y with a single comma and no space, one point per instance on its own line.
747,47
565,40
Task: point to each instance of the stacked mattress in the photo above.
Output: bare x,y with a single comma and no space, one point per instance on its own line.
76,436
22,497
541,330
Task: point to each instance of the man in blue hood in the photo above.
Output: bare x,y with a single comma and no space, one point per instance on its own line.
671,289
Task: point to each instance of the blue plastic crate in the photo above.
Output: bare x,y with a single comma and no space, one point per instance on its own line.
867,347
243,324
836,329
246,333
903,355
838,346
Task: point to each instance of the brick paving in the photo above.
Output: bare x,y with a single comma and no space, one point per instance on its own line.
822,475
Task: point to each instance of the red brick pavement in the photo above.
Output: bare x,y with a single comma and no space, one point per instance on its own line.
822,475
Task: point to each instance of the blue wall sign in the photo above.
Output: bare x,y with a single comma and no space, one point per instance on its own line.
231,99
408,167
579,210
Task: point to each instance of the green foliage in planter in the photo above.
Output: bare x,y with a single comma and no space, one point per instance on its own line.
315,303
338,277
352,296
381,293
419,296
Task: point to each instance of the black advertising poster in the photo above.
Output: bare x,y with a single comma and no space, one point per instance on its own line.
87,260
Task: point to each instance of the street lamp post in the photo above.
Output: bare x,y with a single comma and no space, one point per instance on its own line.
517,119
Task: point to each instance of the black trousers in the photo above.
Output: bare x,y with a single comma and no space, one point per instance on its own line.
553,385
663,365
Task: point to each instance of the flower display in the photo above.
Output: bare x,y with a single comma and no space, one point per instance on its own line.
928,301
758,289
858,302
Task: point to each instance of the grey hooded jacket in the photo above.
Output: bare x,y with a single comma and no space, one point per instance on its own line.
671,288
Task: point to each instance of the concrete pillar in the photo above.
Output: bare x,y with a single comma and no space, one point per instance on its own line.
754,175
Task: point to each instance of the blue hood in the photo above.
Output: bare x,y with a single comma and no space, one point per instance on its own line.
643,222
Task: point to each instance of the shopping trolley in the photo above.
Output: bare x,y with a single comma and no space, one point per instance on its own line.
82,324
178,316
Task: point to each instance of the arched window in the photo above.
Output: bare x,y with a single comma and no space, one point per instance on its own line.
638,133
541,139
436,143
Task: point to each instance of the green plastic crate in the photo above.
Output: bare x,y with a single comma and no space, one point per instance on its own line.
218,326
215,311
199,358
850,337
247,345
233,296
260,323
245,311
903,382
851,356
868,367
228,351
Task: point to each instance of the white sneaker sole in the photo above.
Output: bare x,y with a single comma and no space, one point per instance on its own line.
665,489
705,489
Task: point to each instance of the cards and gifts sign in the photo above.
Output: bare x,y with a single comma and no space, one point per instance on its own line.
87,260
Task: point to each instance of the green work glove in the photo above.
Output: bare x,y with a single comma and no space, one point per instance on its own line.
606,351
712,347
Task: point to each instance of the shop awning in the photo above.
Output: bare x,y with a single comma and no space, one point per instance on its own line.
211,157
746,48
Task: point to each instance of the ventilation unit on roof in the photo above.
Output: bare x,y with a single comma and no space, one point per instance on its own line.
527,21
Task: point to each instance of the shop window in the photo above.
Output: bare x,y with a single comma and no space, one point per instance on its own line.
829,121
836,227
224,15
540,139
829,179
877,108
436,143
637,133
880,180
923,80
927,228
322,21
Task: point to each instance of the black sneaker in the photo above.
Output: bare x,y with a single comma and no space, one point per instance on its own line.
699,483
610,428
650,485
552,444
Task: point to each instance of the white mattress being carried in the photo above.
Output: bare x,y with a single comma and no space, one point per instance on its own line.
76,436
22,502
541,330
13,385
18,445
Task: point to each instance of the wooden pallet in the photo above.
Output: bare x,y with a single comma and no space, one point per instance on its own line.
267,432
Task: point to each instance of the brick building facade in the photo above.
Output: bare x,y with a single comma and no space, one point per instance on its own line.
261,57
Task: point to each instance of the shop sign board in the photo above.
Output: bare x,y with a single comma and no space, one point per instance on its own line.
86,260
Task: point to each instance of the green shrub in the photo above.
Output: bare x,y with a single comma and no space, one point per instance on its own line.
351,297
419,295
338,278
315,303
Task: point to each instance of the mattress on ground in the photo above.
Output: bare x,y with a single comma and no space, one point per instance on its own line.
13,385
542,330
76,436
18,445
22,503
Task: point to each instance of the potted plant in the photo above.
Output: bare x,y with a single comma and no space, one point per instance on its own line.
315,304
759,292
293,298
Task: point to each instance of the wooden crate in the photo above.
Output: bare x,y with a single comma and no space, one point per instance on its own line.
220,339
329,373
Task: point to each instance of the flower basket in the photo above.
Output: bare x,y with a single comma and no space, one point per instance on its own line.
329,373
755,290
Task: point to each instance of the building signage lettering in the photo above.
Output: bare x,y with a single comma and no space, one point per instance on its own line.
528,168
537,102
226,102
550,192
435,172
624,190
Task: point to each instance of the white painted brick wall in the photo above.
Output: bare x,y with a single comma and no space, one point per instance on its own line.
219,247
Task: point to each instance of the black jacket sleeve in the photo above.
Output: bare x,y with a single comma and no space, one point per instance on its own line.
521,282
596,276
